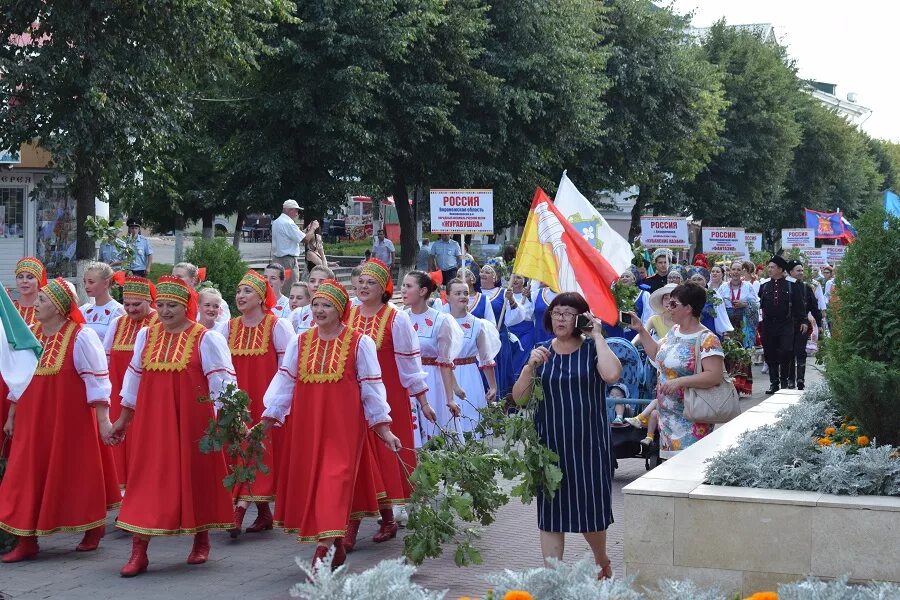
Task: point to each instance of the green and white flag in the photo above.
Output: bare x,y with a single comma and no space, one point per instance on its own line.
19,349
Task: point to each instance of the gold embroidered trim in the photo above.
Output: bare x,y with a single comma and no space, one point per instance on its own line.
373,326
305,539
471,305
249,498
127,330
67,529
169,351
250,341
323,361
188,531
55,349
27,314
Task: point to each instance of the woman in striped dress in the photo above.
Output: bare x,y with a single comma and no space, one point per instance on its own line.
571,421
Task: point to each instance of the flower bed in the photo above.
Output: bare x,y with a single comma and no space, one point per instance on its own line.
810,449
390,579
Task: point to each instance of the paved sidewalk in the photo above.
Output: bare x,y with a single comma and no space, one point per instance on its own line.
262,565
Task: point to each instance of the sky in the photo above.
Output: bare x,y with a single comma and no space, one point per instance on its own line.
852,44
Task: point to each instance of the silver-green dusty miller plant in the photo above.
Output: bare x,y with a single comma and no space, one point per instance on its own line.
784,456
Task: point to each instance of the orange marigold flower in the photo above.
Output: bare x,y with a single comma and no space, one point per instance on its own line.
517,595
852,428
862,440
764,596
824,441
830,430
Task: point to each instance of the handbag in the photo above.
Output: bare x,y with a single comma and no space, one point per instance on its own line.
718,404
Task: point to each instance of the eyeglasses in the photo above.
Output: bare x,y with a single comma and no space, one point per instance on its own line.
673,304
563,316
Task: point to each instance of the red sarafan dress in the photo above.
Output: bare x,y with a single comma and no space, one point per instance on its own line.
397,345
325,392
256,353
60,475
119,346
27,313
173,488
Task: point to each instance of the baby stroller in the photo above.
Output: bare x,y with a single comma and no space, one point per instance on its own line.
626,440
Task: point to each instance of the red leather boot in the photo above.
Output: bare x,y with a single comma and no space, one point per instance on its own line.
340,555
238,524
263,520
388,528
91,539
26,549
321,552
138,562
349,540
200,551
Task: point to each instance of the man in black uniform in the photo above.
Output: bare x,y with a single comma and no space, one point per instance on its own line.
784,314
798,363
661,260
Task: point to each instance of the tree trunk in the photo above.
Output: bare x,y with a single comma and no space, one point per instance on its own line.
642,200
238,226
86,184
179,239
209,231
409,245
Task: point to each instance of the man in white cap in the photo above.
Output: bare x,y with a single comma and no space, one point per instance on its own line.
286,240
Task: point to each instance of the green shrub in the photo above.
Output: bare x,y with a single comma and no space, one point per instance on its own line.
158,269
224,266
863,357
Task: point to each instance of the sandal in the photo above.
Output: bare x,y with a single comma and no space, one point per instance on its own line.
606,570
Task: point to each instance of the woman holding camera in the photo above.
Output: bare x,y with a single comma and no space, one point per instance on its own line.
574,369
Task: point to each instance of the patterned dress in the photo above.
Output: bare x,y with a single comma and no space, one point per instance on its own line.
571,420
677,357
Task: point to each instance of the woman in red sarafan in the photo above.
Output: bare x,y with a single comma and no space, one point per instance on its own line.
257,341
173,488
330,385
30,277
61,476
399,355
138,299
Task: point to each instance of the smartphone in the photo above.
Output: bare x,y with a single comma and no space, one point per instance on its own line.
583,322
625,317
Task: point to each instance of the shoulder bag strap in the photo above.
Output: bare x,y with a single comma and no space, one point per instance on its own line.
698,368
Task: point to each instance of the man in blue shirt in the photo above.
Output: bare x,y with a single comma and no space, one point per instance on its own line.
143,252
446,257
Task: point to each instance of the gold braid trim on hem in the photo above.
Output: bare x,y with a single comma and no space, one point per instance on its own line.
380,495
385,502
307,539
189,531
115,505
358,516
249,498
64,529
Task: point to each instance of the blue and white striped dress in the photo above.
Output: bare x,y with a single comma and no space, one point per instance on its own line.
571,421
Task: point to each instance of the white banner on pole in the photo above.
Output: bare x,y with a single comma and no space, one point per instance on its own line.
462,211
834,254
754,241
664,232
816,256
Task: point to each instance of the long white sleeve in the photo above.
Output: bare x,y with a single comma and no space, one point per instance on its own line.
820,296
513,316
487,341
408,355
90,364
215,360
280,393
449,339
282,336
132,382
371,388
526,306
723,323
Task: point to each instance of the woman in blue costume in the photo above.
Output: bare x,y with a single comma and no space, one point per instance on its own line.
521,294
506,313
641,308
541,297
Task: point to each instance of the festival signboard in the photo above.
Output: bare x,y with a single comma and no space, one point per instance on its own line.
462,211
725,240
798,238
754,241
816,256
834,254
664,232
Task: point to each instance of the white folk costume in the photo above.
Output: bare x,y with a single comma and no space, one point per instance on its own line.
301,318
480,346
440,340
100,318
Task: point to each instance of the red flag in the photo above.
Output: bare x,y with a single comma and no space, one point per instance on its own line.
553,251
